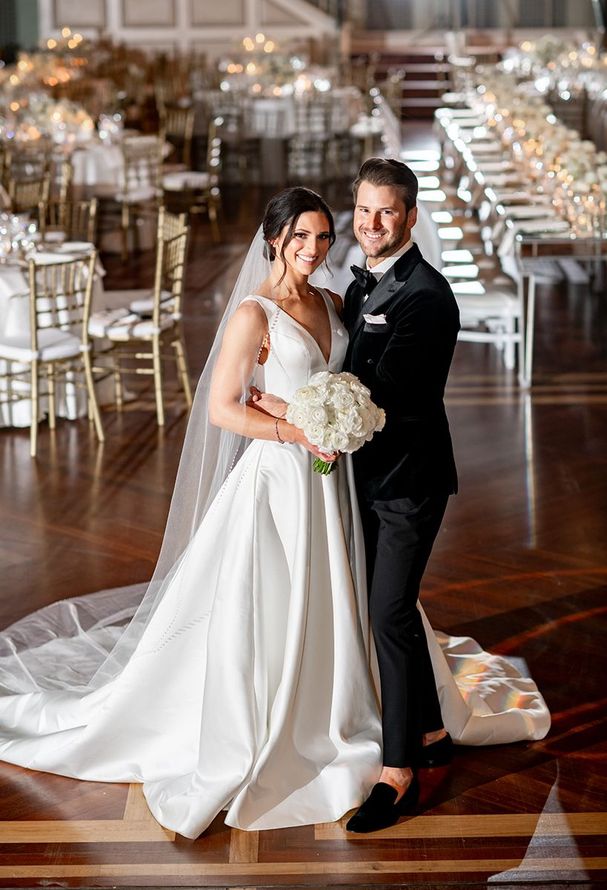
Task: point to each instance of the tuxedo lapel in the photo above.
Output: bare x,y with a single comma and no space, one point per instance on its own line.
353,305
390,284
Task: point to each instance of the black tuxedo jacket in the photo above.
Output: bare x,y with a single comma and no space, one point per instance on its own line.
405,363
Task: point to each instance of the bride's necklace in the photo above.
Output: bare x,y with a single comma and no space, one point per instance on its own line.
310,292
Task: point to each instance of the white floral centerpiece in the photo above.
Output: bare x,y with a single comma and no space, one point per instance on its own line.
336,413
37,115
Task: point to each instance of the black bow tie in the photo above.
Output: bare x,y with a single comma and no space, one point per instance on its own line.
365,278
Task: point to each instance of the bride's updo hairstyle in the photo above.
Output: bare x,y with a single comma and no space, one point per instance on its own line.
284,209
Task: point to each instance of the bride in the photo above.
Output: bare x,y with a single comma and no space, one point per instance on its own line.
239,679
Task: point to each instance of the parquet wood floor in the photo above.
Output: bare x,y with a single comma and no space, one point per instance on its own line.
519,564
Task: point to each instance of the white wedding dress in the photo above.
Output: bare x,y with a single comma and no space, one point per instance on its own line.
249,689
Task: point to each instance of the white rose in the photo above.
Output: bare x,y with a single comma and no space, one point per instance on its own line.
337,441
318,415
316,434
345,425
343,399
305,393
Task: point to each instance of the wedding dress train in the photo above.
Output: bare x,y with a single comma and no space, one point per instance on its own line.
249,687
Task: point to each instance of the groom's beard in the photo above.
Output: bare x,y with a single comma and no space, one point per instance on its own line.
384,247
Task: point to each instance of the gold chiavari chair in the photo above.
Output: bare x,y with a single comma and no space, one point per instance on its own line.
4,198
26,194
139,193
177,127
198,190
57,344
308,147
77,219
171,84
361,72
3,159
142,157
138,339
28,160
62,181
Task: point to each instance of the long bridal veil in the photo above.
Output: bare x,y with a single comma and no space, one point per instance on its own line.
79,644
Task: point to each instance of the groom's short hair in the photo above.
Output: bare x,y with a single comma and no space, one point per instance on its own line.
388,171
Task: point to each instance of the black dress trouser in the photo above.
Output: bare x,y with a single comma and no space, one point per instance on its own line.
399,535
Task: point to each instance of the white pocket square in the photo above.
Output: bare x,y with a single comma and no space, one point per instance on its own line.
375,319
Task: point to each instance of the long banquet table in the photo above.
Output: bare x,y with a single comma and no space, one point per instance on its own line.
532,249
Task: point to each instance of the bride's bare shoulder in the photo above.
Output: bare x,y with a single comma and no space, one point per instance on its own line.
249,316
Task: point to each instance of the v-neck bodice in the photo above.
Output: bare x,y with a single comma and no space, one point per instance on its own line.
294,353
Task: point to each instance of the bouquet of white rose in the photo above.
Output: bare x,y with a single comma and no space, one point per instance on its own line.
336,413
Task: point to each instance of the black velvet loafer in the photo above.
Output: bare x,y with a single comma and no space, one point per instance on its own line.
436,754
380,810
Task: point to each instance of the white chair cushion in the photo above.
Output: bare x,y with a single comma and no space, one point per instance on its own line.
133,328
125,307
101,321
489,305
144,304
121,299
189,179
138,195
53,344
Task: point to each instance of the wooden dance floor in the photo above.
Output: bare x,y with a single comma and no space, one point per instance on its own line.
520,564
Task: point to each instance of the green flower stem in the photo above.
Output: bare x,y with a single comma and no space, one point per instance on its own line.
323,466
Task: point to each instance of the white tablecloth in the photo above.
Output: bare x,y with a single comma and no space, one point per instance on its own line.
101,164
98,164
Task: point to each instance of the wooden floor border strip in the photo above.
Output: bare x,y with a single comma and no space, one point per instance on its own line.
486,826
244,845
92,831
213,869
137,811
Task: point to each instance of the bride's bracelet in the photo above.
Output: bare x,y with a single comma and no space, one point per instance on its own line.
282,441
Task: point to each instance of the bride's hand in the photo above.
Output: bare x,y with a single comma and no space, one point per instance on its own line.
300,439
266,402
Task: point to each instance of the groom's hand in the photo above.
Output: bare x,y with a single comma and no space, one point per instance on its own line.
267,403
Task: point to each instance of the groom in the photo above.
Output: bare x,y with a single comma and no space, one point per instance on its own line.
403,321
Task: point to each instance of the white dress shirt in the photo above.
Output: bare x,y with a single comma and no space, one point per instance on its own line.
381,268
